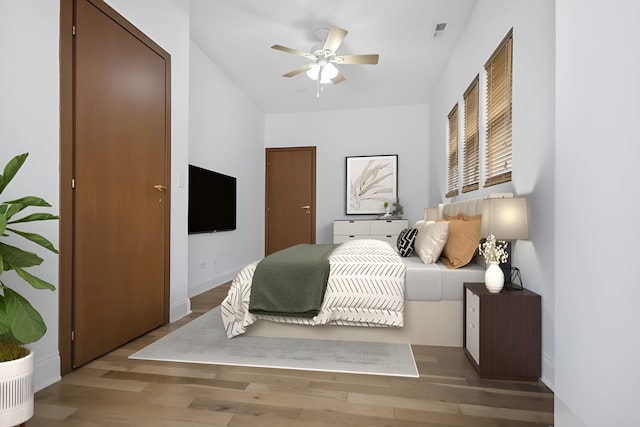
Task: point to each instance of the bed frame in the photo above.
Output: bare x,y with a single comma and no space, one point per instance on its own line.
437,323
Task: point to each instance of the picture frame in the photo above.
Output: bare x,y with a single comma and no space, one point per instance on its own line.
371,181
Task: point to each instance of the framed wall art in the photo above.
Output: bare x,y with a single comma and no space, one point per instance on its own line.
371,181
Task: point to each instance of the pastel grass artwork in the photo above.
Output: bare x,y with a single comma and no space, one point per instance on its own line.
371,183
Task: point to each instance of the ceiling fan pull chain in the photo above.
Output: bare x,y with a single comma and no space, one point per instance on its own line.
319,87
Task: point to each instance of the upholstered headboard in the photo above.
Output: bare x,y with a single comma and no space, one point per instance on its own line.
469,207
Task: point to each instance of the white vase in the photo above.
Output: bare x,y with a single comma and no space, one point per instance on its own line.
494,278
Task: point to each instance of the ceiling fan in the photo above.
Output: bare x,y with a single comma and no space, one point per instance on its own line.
323,57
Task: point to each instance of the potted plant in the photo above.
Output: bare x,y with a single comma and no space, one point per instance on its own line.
20,322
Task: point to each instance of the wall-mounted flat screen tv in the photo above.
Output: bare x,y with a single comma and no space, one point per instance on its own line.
212,201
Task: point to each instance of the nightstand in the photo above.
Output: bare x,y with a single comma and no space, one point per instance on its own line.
502,332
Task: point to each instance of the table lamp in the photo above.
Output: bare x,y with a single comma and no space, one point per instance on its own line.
507,219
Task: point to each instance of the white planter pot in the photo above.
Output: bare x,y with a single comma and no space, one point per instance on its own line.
494,278
16,391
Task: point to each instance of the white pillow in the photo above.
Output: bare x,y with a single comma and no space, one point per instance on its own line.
430,240
419,224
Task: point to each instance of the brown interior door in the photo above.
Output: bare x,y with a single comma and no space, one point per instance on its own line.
290,197
121,203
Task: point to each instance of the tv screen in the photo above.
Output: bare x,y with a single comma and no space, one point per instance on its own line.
212,201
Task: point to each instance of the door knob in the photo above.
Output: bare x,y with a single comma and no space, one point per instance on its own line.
160,187
305,207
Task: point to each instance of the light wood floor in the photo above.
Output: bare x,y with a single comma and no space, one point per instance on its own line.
116,391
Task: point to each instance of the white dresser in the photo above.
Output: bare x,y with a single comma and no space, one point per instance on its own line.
379,229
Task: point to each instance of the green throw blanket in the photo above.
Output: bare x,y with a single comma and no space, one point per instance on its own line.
291,282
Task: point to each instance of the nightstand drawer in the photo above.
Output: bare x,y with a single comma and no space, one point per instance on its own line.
473,326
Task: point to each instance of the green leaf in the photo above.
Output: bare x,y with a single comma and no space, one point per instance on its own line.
3,224
34,217
29,201
11,169
34,281
4,319
16,257
36,238
26,324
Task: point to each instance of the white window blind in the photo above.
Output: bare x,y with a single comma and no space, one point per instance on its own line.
452,152
471,163
499,103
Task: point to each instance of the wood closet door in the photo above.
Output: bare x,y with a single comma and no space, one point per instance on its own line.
290,197
121,205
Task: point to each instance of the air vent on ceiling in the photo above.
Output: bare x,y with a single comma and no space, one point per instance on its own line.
438,29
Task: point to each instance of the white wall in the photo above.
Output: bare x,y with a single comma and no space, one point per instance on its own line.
597,151
402,130
533,132
226,134
29,122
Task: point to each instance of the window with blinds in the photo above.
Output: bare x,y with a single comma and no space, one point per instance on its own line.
452,163
471,162
498,112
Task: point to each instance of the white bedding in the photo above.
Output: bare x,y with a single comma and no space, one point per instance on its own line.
365,288
436,282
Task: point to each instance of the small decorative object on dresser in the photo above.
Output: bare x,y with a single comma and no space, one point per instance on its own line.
494,253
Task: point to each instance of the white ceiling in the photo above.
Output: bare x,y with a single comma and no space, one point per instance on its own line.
238,34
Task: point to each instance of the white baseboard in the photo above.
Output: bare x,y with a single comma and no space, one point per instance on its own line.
46,372
548,371
179,310
210,284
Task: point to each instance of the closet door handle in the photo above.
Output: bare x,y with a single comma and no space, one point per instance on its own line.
160,187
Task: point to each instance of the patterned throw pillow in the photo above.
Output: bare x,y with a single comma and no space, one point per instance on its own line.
405,241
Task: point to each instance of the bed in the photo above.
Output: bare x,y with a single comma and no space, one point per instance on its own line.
364,288
427,307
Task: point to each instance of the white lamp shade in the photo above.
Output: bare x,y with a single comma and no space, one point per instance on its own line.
329,71
506,219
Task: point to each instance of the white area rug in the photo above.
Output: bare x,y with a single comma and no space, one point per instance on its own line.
203,340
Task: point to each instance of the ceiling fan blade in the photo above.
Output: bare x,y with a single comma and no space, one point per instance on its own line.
298,70
357,59
337,79
335,38
294,51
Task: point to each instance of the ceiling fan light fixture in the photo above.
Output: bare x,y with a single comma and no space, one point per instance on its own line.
329,71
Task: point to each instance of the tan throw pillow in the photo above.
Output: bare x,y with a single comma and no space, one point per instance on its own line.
430,240
462,243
